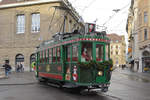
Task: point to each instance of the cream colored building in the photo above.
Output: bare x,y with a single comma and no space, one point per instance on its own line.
132,30
117,49
24,24
140,26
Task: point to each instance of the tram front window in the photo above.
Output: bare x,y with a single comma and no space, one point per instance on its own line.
86,53
99,52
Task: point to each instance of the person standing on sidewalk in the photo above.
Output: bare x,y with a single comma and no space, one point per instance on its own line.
34,68
7,68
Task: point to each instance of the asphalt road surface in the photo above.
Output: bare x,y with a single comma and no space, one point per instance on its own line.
123,87
44,92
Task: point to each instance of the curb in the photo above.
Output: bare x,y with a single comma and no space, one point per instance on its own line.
2,77
30,83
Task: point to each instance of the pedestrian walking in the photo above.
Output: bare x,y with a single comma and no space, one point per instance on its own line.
21,68
7,68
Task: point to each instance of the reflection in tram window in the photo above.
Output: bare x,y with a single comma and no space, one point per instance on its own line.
86,52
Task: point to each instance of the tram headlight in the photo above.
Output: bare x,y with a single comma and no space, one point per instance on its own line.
100,73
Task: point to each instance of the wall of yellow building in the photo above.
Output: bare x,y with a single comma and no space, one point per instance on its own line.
122,53
12,44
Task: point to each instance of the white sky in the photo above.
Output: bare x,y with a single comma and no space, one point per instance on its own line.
102,10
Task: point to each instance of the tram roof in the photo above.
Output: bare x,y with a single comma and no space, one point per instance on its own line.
74,39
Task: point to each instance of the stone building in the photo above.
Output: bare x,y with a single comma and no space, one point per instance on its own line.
117,49
24,24
140,10
132,25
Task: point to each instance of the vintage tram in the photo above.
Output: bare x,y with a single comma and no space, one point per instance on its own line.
75,60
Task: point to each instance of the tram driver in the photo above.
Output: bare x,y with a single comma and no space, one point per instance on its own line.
85,56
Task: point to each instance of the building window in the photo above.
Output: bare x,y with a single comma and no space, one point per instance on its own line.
140,19
116,46
19,59
145,17
111,52
116,52
20,24
35,22
111,47
145,34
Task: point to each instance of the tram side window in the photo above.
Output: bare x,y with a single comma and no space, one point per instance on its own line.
46,55
99,52
50,55
43,56
58,54
107,52
75,53
68,54
86,52
40,57
54,55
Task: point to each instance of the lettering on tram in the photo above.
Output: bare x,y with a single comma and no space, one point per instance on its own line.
75,61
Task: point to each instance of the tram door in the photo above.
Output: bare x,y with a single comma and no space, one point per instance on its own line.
71,59
67,62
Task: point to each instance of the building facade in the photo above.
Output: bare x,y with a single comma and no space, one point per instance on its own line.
117,49
140,34
24,24
132,28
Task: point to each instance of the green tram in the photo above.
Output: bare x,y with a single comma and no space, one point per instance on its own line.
74,60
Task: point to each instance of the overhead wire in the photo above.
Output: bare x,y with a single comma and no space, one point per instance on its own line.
116,13
52,19
87,6
120,10
84,7
65,14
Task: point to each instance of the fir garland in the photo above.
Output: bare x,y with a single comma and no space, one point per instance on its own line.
98,65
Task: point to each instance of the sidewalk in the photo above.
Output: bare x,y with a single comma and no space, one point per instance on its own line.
18,79
144,76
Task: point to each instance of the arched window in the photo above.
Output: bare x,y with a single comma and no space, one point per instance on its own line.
19,59
146,53
32,59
